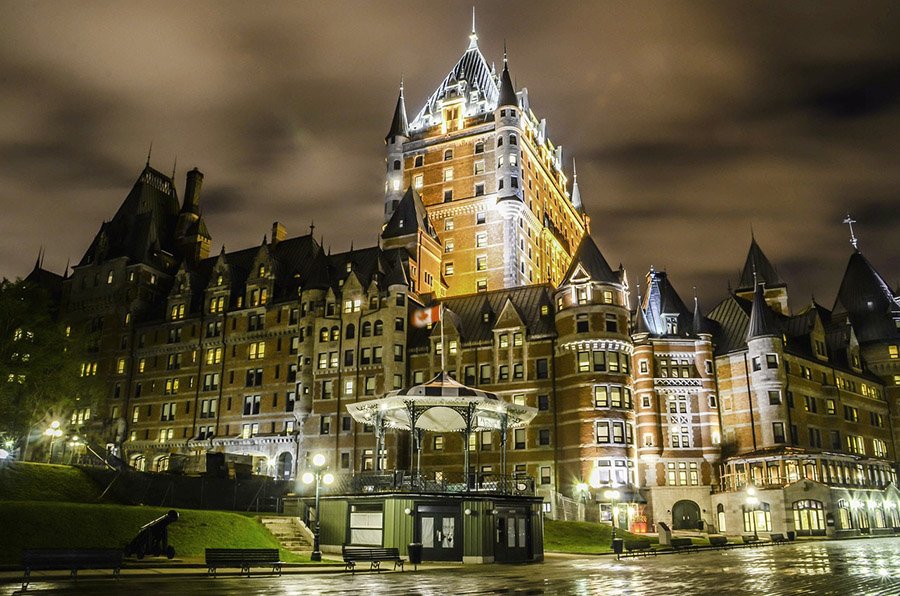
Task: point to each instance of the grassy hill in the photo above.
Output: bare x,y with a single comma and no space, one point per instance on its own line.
581,537
45,482
77,525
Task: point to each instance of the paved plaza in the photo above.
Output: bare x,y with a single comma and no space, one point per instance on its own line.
847,568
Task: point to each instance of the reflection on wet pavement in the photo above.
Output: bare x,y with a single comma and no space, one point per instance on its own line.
846,568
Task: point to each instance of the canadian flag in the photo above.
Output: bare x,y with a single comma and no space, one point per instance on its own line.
424,317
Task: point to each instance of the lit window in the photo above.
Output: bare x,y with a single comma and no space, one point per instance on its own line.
448,224
448,174
481,263
449,245
418,181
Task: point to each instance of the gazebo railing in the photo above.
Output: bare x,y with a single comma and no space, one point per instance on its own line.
402,481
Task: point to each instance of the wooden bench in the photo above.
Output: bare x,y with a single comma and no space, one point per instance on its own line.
373,556
682,544
718,541
777,538
750,540
71,560
636,548
243,559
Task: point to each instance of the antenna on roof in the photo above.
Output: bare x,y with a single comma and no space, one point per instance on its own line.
504,53
149,151
312,226
473,38
850,221
174,166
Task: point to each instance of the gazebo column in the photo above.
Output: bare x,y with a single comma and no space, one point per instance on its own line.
413,438
379,439
419,432
504,427
466,434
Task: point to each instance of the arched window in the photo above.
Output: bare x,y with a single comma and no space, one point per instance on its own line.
335,333
396,164
513,140
758,518
262,271
809,517
448,154
499,141
720,518
350,333
479,147
419,161
323,334
366,329
379,327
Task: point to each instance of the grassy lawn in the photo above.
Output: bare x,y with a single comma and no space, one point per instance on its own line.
75,525
45,482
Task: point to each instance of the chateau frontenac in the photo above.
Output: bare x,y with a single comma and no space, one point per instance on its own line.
257,353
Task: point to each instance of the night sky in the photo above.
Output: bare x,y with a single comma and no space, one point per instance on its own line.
690,122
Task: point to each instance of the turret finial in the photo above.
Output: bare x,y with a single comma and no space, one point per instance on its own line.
505,55
854,241
473,38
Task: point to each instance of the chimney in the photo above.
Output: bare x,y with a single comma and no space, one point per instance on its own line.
192,191
278,233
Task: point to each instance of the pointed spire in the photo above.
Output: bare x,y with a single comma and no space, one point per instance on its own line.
473,38
399,124
576,194
149,152
853,240
174,167
762,319
66,270
698,318
40,258
758,269
640,320
507,91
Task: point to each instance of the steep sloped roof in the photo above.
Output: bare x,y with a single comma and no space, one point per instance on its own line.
868,300
589,259
662,299
409,217
758,263
474,70
507,91
144,224
762,318
399,124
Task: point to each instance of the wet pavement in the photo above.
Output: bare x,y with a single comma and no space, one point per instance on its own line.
846,568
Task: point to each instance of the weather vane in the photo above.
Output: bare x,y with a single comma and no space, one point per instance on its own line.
850,221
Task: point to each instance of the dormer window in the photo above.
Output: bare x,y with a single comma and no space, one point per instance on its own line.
350,265
262,271
671,324
583,295
220,279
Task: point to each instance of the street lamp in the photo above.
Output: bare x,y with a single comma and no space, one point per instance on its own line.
612,495
54,432
319,476
752,502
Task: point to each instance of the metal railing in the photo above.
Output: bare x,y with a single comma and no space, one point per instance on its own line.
402,481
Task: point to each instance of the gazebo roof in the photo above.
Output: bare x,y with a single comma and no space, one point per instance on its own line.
442,405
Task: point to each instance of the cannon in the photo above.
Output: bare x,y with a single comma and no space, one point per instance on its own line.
153,538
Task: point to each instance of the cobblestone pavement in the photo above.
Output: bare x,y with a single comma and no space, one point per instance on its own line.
846,568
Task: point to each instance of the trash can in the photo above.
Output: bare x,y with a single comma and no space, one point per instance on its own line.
415,552
791,535
618,546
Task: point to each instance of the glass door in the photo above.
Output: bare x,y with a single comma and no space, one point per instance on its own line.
438,531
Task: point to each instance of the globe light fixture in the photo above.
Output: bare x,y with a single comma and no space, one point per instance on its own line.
320,477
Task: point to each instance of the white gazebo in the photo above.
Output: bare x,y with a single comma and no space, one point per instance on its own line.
441,405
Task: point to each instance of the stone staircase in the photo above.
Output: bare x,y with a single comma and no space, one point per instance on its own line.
290,531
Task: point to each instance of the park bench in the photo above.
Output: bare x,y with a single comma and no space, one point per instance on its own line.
750,540
71,560
778,538
243,559
373,556
683,544
718,542
636,548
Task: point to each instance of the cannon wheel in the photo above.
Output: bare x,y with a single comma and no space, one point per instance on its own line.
170,552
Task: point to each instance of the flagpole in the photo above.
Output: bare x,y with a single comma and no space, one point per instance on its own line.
443,352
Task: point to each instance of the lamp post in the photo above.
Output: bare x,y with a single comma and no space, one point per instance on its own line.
752,502
612,495
319,476
54,432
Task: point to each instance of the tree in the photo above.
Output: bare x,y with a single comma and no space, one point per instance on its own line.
40,363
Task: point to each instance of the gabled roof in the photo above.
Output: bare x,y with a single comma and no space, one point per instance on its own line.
868,300
473,70
762,318
409,217
662,299
758,269
470,313
588,261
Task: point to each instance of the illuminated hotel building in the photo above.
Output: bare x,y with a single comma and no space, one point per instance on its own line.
255,353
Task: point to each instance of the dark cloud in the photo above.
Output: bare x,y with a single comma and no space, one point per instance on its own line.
690,121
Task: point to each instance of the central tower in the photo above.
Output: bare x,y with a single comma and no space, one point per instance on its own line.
491,181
